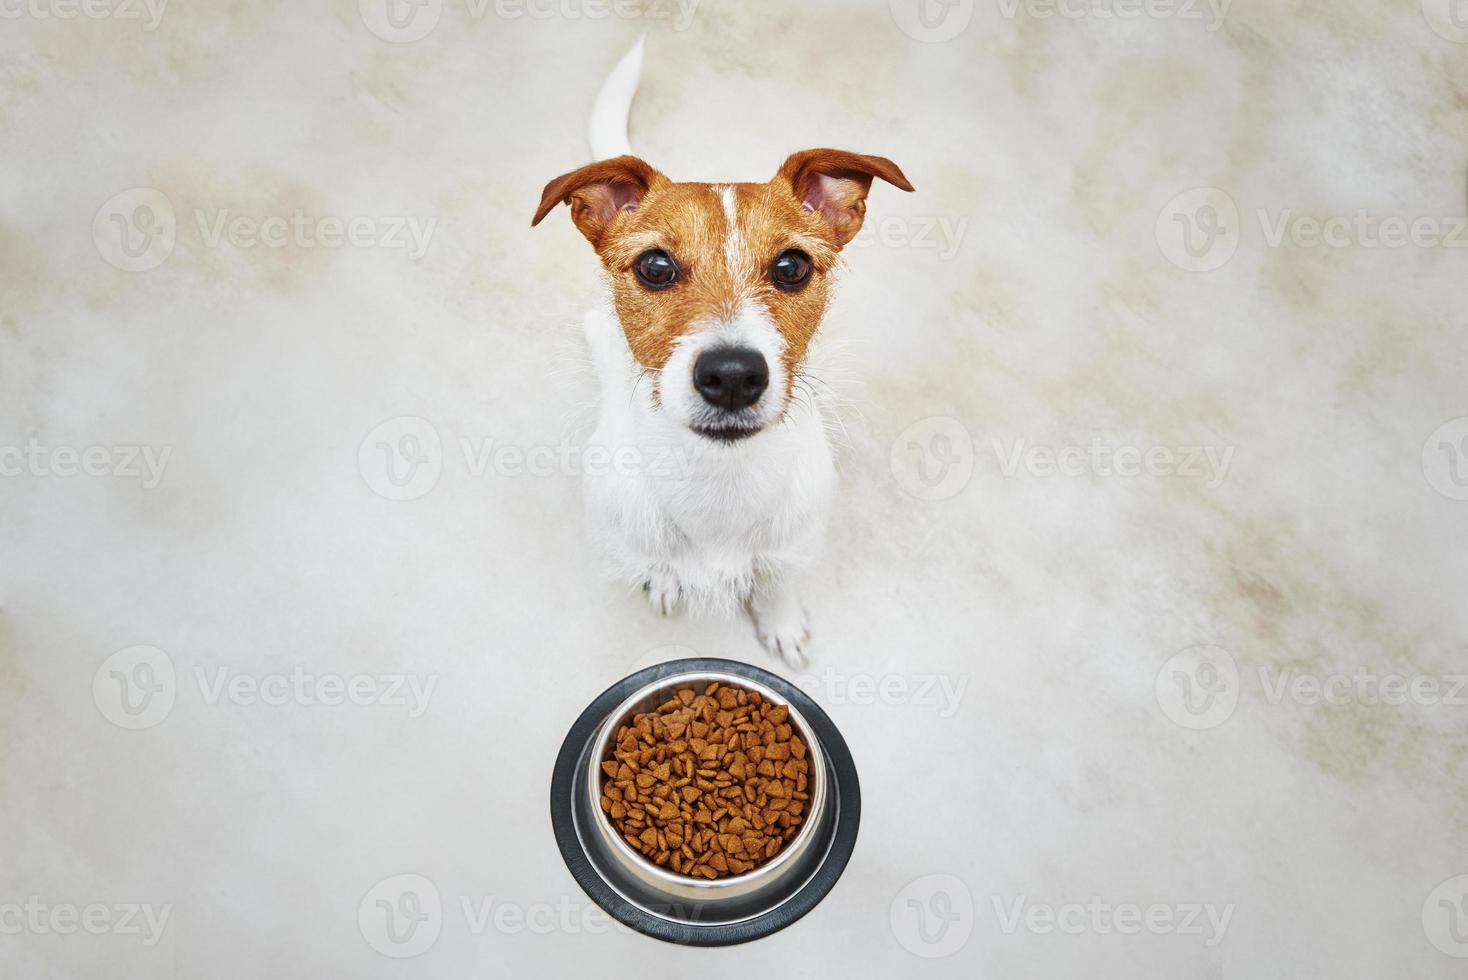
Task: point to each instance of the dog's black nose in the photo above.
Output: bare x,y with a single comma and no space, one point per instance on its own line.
731,377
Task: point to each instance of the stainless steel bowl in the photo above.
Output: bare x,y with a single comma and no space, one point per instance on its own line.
679,898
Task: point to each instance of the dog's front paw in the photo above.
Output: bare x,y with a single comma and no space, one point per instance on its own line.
663,592
783,628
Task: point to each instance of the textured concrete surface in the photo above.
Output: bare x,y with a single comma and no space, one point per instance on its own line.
1143,611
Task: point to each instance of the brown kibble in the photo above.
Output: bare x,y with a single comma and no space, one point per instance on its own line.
707,784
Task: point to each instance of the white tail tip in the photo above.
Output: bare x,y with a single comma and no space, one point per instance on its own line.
608,130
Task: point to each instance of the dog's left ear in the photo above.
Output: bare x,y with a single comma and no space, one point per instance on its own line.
598,192
834,184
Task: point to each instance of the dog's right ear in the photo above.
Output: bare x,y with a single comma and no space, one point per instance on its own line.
598,192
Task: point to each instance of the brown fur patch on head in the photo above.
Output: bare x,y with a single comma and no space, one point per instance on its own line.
770,221
724,239
721,266
687,222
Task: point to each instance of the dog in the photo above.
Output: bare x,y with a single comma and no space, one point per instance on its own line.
716,291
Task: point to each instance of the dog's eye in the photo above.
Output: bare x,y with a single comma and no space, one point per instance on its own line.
656,269
790,270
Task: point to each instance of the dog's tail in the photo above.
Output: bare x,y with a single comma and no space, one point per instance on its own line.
607,132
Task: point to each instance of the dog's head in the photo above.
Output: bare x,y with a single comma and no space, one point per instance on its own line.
720,287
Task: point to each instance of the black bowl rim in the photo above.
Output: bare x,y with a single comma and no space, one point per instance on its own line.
843,785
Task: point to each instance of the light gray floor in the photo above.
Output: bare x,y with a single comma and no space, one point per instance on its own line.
1036,296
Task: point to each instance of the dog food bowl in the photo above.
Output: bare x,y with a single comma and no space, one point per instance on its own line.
697,911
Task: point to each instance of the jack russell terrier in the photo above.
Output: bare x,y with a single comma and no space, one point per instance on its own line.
716,291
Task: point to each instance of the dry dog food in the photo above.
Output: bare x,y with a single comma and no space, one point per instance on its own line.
709,784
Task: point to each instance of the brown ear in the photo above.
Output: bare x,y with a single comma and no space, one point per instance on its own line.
598,192
834,184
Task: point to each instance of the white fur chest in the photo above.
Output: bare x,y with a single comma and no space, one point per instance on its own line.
717,517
